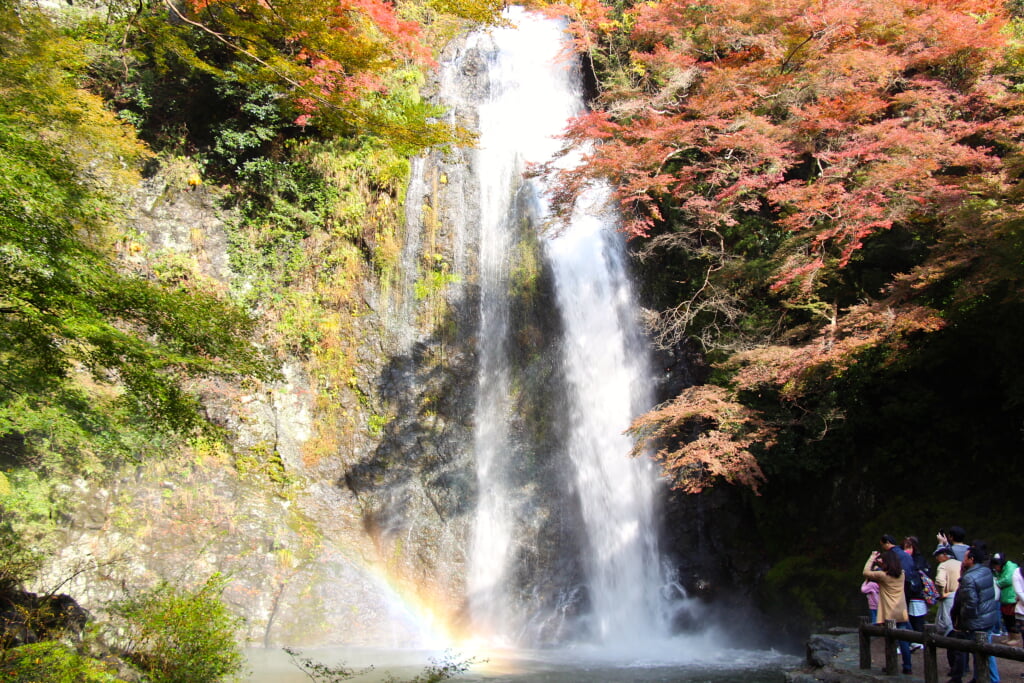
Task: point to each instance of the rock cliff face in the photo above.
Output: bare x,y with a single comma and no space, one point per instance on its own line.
287,529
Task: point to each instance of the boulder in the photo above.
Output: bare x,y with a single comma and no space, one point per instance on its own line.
29,618
821,650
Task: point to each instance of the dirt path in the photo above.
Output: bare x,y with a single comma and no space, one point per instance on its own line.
1009,670
845,667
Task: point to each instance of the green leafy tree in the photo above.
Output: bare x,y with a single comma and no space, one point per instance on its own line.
177,635
236,80
86,345
18,561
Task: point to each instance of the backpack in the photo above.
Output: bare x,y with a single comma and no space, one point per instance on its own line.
928,589
914,584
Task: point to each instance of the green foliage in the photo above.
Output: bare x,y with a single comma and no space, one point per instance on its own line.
525,269
85,344
307,114
282,205
263,460
433,282
807,585
19,562
236,81
479,11
437,670
25,495
375,424
298,328
175,635
53,662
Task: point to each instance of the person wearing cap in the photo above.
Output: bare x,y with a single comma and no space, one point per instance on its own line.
1004,569
947,578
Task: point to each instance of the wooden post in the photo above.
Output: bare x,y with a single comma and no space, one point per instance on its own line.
865,644
981,659
931,664
892,664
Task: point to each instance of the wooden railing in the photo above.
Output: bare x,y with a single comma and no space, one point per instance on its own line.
932,641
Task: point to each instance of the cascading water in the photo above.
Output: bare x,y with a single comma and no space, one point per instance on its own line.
513,130
533,87
605,365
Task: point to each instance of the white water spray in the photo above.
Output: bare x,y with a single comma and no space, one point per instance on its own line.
533,89
606,368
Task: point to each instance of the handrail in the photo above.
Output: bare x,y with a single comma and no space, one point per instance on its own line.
931,641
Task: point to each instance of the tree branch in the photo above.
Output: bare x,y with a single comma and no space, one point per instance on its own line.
238,48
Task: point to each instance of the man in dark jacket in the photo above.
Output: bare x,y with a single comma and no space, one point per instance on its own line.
978,602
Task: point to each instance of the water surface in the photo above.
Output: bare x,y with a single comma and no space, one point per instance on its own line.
568,665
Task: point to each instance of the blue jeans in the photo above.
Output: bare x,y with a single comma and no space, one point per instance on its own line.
993,670
958,662
904,646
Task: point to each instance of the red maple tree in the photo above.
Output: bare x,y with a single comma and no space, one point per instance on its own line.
824,125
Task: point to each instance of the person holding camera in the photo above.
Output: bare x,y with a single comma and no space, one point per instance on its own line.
885,569
955,538
947,579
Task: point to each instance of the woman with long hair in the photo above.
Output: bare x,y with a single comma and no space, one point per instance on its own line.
885,569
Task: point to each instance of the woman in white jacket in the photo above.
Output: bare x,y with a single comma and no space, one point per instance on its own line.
1018,588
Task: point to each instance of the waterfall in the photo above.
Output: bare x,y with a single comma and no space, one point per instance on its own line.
605,366
513,131
528,88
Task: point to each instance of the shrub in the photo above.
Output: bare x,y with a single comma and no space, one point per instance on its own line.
181,636
53,662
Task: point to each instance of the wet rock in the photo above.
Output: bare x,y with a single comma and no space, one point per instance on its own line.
821,650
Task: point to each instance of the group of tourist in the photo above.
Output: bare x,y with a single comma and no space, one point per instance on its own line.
971,591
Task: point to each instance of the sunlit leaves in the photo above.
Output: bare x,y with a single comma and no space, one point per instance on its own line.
864,103
336,65
80,337
824,127
703,436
